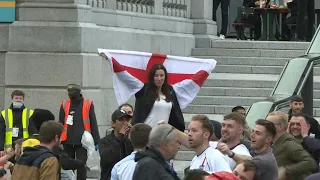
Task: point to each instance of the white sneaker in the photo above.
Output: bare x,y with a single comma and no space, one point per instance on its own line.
222,37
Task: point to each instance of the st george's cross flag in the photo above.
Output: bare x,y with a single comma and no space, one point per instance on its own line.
130,73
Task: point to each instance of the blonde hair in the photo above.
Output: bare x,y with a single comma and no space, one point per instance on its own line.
283,117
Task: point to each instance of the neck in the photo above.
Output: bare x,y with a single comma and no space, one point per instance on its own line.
199,150
233,143
263,149
159,89
116,133
278,135
47,146
164,154
139,149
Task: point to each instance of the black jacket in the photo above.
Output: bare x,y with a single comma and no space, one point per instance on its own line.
314,124
144,103
152,166
17,122
313,147
112,149
76,130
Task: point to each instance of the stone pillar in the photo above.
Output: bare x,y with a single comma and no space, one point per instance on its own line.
158,7
204,28
52,44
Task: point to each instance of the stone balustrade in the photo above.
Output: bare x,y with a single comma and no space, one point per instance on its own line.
177,8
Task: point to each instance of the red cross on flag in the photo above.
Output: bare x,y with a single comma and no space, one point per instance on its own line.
130,72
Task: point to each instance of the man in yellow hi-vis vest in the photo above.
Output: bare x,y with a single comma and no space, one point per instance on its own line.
15,122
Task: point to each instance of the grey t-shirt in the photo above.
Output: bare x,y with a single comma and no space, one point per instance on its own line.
267,165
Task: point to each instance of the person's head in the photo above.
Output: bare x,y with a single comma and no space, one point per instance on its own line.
296,104
262,135
216,130
40,116
280,120
74,91
139,135
295,125
239,109
18,147
232,127
50,133
196,174
246,170
200,131
119,119
127,108
164,138
158,79
17,98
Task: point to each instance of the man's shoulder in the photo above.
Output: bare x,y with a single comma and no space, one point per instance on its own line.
242,150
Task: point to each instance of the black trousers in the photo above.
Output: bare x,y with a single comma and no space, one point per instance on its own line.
305,30
224,13
77,152
251,19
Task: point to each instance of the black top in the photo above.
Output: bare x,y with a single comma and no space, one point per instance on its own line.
144,103
17,122
76,130
152,166
112,149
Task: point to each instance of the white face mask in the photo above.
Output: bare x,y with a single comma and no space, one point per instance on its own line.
17,104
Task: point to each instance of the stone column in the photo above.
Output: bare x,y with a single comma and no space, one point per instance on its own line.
52,44
204,28
158,7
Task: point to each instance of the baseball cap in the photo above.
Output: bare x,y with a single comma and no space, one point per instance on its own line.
73,86
222,176
118,114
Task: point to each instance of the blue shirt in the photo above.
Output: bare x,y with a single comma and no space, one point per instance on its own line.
124,169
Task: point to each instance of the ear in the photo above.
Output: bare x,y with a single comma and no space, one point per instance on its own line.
269,139
206,135
290,104
113,123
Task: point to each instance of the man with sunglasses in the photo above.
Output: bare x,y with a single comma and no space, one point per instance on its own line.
153,163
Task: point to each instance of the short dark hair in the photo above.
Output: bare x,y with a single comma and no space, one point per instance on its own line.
19,141
17,93
239,118
196,174
49,130
296,98
206,123
270,127
139,135
305,117
126,104
249,165
235,109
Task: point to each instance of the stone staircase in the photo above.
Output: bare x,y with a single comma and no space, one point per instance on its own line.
246,72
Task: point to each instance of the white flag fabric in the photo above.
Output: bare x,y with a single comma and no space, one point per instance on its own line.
130,73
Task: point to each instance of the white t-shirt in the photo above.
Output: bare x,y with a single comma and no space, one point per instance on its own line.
211,161
239,149
160,111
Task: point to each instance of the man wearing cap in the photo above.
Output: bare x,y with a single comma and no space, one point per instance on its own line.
77,115
115,146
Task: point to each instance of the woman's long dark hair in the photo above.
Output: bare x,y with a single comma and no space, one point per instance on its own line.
152,88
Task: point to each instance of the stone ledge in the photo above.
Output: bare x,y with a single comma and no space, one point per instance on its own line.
4,37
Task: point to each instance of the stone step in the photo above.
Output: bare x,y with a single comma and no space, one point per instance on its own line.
260,61
179,167
235,44
235,91
184,155
245,69
226,100
209,109
247,52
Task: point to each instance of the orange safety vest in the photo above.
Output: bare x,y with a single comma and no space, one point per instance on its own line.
85,115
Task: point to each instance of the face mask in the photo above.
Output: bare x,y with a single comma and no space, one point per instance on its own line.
17,104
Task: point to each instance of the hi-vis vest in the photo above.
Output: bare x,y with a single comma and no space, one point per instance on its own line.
8,118
85,115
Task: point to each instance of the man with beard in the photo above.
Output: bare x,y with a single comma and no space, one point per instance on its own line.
296,106
153,163
299,127
293,161
207,158
77,115
40,162
232,129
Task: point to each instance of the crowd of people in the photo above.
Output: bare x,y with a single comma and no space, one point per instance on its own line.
298,22
146,137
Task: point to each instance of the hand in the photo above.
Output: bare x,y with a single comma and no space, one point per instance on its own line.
304,128
282,175
162,122
224,149
9,165
125,129
10,152
257,3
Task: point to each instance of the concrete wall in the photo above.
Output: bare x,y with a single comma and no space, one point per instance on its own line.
55,43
